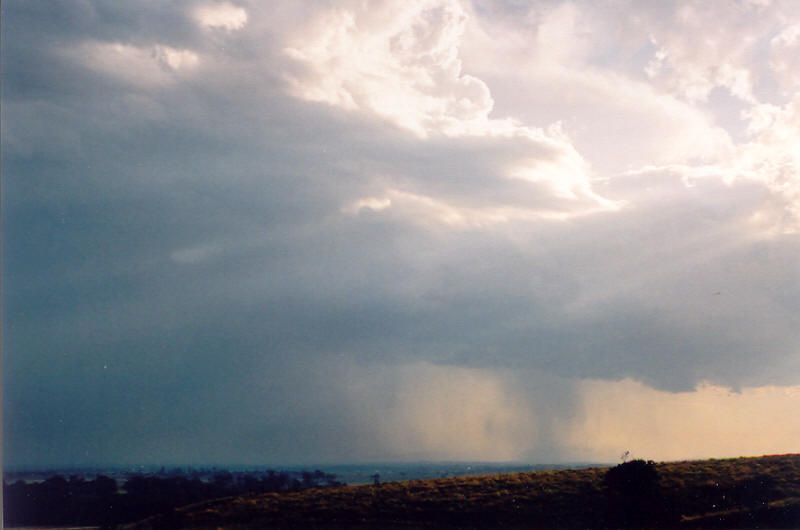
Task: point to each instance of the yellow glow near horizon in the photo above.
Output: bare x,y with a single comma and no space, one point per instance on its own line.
709,422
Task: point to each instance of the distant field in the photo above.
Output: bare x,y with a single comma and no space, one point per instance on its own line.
743,492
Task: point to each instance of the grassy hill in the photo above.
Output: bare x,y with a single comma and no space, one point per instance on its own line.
742,492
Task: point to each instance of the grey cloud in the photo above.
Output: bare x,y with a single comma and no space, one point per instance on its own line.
179,276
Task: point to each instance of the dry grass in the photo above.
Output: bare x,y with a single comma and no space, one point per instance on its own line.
698,493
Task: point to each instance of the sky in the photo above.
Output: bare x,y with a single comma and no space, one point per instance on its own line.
287,232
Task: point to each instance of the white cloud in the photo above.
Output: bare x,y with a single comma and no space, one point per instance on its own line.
770,158
400,62
562,63
665,108
701,46
222,15
785,57
423,209
773,158
370,203
146,66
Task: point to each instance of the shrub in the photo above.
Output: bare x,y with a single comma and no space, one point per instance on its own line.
634,495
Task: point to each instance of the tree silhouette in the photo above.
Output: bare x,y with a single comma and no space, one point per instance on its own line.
634,495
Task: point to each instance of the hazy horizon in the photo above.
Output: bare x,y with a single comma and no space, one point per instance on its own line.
464,230
295,466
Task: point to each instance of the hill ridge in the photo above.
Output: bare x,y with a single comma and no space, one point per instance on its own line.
712,493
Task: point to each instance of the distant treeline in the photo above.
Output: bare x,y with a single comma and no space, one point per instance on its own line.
60,501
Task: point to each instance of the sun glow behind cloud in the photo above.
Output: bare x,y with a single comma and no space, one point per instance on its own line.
710,422
403,65
399,62
222,15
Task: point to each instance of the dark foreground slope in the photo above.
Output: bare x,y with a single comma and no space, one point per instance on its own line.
744,492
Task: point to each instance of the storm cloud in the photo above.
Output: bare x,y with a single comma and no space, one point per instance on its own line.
244,233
